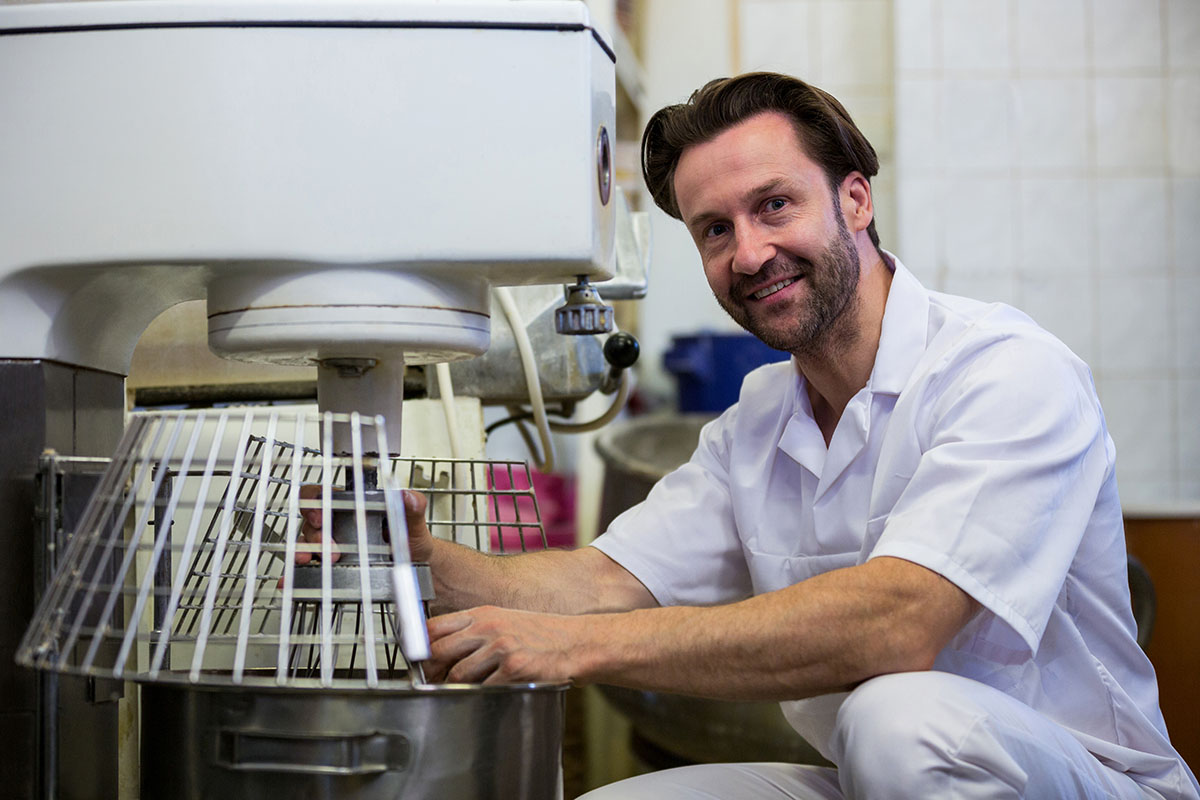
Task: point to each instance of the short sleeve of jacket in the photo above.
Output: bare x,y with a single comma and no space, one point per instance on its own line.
681,541
1013,453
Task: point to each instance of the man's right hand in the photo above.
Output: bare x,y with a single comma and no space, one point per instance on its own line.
420,540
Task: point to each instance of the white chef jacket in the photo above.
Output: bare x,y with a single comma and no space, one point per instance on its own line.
977,449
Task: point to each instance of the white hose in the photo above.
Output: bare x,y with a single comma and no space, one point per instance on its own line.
446,392
599,422
532,381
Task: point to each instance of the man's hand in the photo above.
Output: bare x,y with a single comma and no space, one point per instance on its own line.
308,546
420,540
497,645
312,530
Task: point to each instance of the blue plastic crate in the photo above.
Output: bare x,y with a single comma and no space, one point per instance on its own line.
709,367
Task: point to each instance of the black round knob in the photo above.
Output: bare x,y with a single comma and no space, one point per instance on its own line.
621,350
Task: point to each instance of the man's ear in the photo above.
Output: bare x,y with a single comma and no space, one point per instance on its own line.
857,205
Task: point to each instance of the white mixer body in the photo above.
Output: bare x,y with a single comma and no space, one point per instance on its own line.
339,179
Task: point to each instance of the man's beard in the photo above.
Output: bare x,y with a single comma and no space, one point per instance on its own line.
831,290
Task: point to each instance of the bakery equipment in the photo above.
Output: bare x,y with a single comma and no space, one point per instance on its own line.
265,675
348,185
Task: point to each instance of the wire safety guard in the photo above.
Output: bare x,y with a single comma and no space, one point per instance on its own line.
184,567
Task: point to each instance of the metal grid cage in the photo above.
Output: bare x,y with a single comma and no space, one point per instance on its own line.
184,567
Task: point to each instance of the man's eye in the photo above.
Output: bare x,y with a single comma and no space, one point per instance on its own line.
716,229
776,203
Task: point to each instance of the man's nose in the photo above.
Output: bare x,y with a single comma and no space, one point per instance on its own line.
754,249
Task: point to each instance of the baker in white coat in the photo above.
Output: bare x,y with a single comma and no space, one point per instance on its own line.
909,534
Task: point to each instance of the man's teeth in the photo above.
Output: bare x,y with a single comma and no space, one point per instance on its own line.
773,288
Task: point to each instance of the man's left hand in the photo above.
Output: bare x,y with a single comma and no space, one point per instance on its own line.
498,645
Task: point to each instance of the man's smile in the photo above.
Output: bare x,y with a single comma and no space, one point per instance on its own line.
774,287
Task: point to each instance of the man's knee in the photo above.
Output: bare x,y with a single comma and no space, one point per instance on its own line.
933,734
897,707
898,735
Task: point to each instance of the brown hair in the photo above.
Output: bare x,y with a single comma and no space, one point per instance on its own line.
824,128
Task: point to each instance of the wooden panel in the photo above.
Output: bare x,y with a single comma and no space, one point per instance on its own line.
1170,551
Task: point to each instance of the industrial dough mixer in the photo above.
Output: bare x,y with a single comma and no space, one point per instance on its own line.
346,184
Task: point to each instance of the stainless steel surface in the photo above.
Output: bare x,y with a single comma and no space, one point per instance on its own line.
570,367
433,743
369,386
73,411
345,581
636,455
632,246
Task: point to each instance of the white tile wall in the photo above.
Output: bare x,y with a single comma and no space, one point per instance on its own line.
998,287
1131,226
1140,415
863,60
1049,38
1183,124
1128,123
1135,332
871,106
1051,120
978,115
974,35
1082,117
918,44
1040,295
979,233
1183,35
1189,446
1186,297
1126,34
920,141
1057,227
922,244
688,42
778,36
1185,228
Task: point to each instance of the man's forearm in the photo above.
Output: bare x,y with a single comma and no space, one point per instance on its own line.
826,634
581,581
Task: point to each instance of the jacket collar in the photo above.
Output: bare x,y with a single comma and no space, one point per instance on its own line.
904,334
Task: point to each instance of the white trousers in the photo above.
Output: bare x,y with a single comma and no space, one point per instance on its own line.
906,736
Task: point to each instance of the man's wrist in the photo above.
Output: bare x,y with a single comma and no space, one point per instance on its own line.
596,641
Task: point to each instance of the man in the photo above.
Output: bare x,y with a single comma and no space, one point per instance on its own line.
909,534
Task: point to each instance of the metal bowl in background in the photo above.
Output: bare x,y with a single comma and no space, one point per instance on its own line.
671,730
638,452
